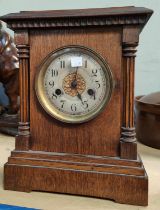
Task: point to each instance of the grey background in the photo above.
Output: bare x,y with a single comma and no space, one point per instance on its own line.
147,75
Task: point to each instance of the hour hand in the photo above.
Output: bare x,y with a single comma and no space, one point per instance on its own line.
80,97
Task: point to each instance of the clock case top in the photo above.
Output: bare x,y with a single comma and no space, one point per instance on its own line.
129,13
35,32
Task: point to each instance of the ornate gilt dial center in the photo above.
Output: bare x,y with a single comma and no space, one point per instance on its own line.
74,83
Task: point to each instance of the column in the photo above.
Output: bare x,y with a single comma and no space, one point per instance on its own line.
128,145
22,44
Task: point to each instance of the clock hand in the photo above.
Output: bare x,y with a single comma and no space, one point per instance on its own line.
94,96
76,73
74,85
80,97
74,82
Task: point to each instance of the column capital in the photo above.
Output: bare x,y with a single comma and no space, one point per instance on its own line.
129,49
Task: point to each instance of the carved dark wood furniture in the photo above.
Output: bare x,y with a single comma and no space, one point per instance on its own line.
148,119
95,158
9,66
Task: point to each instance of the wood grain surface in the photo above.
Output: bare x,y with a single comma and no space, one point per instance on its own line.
97,137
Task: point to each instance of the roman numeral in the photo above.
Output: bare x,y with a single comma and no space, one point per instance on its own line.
62,64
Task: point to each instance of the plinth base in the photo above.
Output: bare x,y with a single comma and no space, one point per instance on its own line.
123,181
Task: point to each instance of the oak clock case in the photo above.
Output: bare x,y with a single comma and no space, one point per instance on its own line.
87,144
74,84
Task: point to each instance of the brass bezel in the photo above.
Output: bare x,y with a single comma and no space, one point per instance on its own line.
46,103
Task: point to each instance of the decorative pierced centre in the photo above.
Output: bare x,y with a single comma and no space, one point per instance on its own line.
74,83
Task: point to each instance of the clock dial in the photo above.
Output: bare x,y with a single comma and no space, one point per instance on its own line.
74,84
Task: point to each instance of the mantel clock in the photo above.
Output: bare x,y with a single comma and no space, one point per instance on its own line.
76,132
